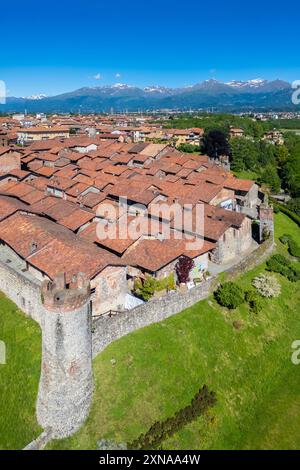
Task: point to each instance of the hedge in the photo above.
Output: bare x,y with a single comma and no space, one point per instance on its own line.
161,430
287,212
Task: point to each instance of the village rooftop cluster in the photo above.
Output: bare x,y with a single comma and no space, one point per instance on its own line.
57,176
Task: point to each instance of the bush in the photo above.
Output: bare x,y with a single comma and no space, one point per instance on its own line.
284,239
277,263
267,285
188,148
280,264
145,288
276,210
255,301
159,431
256,305
166,283
229,295
183,268
293,247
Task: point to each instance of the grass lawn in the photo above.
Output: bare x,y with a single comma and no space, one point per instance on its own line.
19,377
158,369
246,175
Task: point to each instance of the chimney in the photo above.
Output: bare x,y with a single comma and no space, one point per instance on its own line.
33,247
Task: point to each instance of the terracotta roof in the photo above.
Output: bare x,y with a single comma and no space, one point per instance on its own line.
9,205
56,249
239,185
92,199
76,219
45,171
59,182
33,196
154,254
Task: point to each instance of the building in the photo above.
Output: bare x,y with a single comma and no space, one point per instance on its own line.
32,134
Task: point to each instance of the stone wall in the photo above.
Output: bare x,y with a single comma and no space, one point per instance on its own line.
110,289
253,259
108,329
23,290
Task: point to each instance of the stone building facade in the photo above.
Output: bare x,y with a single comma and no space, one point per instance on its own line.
233,243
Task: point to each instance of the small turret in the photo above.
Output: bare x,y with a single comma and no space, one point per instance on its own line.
58,297
266,226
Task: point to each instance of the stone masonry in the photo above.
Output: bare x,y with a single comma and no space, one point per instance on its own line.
66,383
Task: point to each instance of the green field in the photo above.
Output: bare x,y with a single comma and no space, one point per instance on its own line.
19,377
158,369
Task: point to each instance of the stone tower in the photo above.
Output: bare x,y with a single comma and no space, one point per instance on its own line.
266,217
66,383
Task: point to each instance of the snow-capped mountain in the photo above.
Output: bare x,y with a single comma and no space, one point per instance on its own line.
235,95
40,96
121,86
255,83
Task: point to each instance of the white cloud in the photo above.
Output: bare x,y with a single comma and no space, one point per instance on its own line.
118,75
97,76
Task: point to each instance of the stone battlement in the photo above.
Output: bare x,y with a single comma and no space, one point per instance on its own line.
58,296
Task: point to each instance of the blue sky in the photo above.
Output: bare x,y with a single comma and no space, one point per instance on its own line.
53,47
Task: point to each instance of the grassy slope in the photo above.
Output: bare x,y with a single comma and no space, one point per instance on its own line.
19,377
158,370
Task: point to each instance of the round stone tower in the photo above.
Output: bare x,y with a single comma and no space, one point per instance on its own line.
66,383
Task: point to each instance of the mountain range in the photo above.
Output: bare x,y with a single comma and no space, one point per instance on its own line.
233,96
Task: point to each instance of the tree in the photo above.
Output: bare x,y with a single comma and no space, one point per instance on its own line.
266,154
244,154
188,148
290,171
267,285
269,176
281,155
215,144
183,268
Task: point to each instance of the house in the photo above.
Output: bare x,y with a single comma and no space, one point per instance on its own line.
31,134
236,132
275,137
47,248
10,159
